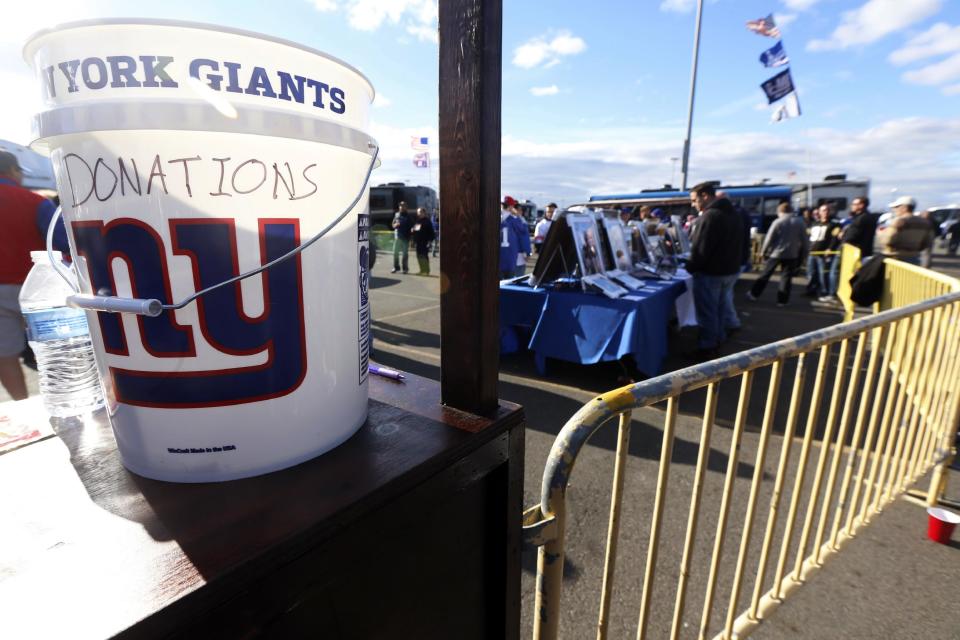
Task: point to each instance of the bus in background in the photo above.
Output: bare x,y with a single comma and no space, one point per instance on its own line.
834,189
530,213
760,201
385,198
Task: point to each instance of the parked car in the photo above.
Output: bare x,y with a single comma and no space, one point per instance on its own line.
946,222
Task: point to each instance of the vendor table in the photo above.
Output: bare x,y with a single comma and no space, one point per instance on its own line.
587,328
410,529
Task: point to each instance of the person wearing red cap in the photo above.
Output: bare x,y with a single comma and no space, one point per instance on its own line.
514,240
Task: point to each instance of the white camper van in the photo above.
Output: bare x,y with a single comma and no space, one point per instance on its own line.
834,189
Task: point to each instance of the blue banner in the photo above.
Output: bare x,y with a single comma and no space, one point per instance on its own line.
778,86
775,56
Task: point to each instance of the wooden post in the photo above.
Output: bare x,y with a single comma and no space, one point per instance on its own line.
470,66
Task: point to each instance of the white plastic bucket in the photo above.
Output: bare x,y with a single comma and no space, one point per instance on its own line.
186,154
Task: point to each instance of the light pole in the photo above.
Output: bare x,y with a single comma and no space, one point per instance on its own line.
673,173
685,169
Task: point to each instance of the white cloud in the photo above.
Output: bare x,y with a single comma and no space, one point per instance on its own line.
418,17
678,6
753,100
381,101
934,74
874,20
608,160
542,52
552,90
565,44
952,90
783,19
939,39
799,5
424,33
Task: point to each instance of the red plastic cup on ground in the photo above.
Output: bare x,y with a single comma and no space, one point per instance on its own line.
940,524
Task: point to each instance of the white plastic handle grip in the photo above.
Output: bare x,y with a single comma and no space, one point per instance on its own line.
140,306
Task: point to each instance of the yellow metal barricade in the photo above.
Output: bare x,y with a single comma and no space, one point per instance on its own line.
905,284
890,384
849,264
756,256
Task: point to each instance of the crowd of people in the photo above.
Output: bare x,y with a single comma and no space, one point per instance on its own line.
418,229
720,249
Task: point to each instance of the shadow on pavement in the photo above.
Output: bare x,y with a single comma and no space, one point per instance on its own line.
547,412
379,282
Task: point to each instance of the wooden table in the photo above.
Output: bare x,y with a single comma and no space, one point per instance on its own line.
411,529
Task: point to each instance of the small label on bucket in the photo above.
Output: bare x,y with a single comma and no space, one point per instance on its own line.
56,324
363,330
220,449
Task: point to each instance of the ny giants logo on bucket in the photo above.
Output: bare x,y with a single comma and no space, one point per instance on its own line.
211,246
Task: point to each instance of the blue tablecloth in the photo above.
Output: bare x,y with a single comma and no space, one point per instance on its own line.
587,327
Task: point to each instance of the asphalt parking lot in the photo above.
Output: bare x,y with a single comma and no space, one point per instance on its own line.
888,582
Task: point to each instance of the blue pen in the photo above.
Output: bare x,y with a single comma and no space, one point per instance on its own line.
393,374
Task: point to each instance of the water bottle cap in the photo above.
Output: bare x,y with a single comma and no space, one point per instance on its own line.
41,256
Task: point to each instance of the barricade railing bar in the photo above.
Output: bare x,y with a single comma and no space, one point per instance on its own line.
906,284
881,413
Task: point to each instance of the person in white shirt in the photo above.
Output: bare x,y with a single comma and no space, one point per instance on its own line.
540,231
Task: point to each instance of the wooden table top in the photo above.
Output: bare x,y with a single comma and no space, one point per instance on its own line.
88,550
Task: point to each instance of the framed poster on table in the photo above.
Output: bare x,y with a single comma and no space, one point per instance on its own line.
659,255
586,238
639,251
620,251
681,236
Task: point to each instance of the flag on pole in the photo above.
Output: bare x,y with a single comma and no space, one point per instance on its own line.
420,144
422,160
789,108
764,27
775,56
778,86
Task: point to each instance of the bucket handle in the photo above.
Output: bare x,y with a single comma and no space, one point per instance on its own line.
153,307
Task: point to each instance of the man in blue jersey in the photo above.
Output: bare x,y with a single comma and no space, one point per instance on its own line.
514,240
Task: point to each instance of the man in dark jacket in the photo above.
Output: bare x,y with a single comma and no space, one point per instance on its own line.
423,235
402,230
862,228
716,253
731,321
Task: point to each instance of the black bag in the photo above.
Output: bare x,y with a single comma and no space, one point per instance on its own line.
866,285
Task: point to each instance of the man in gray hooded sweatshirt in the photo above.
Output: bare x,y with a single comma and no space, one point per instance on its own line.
786,245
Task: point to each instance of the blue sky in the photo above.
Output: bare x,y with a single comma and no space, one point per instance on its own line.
595,94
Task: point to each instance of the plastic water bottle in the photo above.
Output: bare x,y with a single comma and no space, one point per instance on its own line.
60,339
